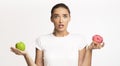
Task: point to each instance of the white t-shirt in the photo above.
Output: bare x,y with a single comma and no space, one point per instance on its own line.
60,51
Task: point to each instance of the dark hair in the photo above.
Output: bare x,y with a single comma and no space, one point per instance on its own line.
60,5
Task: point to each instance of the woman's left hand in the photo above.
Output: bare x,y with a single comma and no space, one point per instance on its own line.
96,45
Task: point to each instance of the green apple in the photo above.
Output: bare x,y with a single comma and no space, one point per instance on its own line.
20,45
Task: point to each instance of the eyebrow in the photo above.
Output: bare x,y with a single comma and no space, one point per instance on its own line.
58,14
55,14
65,14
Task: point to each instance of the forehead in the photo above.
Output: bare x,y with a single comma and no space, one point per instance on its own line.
60,10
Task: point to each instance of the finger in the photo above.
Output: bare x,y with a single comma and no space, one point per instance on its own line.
92,45
102,45
12,49
16,51
96,46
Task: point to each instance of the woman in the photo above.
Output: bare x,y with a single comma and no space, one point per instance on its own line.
60,48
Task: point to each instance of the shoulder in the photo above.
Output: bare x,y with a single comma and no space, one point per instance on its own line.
43,36
78,35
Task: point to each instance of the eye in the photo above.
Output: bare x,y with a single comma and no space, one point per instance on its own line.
65,16
55,16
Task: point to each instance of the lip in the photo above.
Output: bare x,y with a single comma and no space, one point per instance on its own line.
61,25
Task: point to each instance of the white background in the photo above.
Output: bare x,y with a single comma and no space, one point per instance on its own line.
25,20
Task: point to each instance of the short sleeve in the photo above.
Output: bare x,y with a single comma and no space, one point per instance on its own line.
38,44
83,42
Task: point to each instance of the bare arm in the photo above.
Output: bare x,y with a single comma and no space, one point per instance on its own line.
25,54
88,53
39,58
87,58
29,60
81,56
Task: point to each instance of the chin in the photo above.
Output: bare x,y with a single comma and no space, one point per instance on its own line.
61,30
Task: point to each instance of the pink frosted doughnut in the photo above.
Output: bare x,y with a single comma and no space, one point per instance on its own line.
97,38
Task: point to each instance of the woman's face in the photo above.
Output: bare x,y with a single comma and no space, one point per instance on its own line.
60,18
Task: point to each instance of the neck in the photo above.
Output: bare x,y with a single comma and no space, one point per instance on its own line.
60,34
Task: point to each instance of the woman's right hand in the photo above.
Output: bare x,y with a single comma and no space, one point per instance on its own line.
17,51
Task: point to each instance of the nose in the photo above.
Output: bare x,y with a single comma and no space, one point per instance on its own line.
61,20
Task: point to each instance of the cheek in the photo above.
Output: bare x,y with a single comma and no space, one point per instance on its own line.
67,20
66,24
55,20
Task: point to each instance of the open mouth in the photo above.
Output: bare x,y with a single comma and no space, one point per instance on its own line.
61,26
